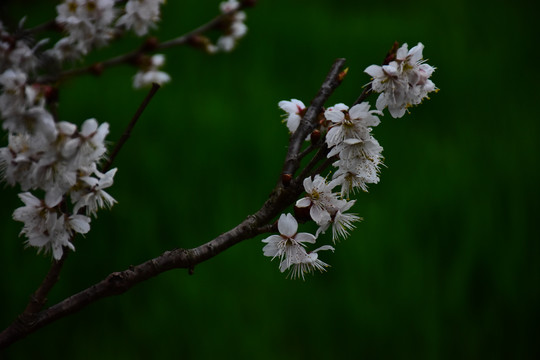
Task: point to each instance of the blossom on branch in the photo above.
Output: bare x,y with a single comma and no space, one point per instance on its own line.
295,109
140,15
150,73
233,27
289,245
353,123
402,83
88,24
45,226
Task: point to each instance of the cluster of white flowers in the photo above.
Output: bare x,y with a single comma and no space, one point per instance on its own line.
234,27
403,82
54,158
17,53
62,166
348,135
89,24
93,23
140,15
151,74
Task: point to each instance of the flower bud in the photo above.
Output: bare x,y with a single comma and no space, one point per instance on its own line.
150,44
286,179
96,69
315,136
302,213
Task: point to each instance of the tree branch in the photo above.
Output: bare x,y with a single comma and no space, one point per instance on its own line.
309,121
119,282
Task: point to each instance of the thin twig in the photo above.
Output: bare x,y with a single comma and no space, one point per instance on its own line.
39,297
131,125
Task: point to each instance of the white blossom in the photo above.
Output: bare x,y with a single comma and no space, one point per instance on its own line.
151,74
309,262
229,5
88,23
45,226
295,110
235,29
402,83
140,15
289,245
92,195
23,106
358,164
341,222
353,123
319,197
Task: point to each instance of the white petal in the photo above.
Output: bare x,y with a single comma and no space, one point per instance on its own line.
359,110
335,116
53,197
305,237
29,199
374,71
89,127
79,223
287,225
304,202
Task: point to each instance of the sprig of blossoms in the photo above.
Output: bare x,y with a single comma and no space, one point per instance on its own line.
233,28
141,15
358,158
402,83
54,158
64,167
89,24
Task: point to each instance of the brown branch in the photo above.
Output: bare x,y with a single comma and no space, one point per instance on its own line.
310,119
119,282
131,125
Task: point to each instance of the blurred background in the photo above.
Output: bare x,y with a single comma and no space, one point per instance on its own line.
445,264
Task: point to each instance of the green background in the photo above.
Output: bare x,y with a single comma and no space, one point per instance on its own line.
445,264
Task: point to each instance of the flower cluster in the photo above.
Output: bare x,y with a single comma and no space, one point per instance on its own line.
53,158
90,24
56,163
64,168
233,27
403,82
140,15
358,157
